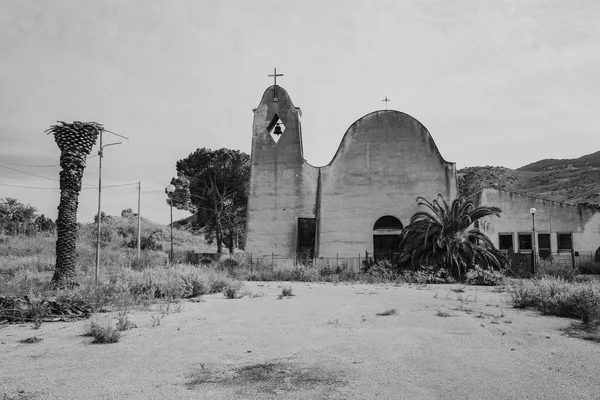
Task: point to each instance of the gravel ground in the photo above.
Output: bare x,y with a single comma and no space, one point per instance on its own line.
325,342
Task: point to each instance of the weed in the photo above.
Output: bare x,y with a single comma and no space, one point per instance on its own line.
458,290
156,320
442,314
286,291
391,311
123,322
233,290
102,334
435,296
33,339
480,315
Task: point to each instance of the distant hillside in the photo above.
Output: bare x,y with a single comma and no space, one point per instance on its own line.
575,181
587,161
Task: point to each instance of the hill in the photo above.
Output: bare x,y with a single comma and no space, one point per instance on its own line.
574,181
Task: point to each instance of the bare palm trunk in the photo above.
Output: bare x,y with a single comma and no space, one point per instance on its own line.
75,142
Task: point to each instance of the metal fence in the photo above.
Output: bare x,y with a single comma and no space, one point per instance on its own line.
518,264
522,264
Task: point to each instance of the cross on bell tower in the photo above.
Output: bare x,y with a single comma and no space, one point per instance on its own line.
275,75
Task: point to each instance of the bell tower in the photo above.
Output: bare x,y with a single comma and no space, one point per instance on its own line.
282,185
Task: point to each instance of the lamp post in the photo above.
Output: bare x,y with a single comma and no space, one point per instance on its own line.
100,155
170,190
534,255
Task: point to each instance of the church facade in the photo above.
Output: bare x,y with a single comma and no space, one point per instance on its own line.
358,202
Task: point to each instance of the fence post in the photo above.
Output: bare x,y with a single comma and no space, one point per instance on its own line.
358,262
572,258
251,263
272,260
337,260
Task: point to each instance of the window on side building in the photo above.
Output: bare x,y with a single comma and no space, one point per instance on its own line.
525,241
565,241
544,245
505,241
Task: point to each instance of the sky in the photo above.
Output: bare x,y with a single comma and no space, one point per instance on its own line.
496,82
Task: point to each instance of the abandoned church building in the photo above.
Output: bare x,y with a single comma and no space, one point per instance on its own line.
364,197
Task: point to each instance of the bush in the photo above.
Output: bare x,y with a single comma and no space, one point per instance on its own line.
556,296
550,269
479,276
382,270
590,268
429,274
286,291
233,289
102,334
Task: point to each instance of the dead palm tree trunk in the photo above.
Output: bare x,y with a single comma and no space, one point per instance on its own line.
75,142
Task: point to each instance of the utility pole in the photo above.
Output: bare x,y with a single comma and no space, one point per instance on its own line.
139,225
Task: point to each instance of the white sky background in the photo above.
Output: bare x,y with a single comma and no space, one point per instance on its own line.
495,82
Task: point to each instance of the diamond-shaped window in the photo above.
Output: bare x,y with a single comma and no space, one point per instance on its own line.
276,128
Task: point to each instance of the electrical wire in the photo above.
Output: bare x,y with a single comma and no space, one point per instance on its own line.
47,188
44,166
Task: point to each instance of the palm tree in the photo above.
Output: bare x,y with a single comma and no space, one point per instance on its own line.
440,237
75,142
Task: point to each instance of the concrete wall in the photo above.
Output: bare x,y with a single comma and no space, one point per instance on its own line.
550,217
386,159
282,185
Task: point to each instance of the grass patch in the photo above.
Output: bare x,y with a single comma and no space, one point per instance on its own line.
442,314
556,296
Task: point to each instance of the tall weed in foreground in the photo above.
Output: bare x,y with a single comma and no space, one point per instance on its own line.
556,296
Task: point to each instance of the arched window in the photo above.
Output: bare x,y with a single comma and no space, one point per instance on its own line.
387,223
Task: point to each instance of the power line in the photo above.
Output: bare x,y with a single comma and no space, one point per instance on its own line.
44,166
38,176
48,188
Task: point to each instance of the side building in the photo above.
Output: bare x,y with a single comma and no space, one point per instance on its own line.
560,228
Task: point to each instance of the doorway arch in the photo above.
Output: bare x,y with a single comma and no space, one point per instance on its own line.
387,232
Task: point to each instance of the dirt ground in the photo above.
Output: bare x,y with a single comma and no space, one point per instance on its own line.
325,342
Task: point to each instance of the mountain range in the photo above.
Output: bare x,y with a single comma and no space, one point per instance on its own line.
574,181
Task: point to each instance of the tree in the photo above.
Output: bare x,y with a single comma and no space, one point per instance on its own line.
44,224
441,237
75,142
213,184
15,217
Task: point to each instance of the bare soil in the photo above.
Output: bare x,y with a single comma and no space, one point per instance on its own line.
325,342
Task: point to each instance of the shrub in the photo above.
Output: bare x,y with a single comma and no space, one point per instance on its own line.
382,270
286,291
429,274
589,268
479,276
233,289
102,334
548,268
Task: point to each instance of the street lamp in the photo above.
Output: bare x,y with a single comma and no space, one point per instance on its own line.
170,189
534,255
100,155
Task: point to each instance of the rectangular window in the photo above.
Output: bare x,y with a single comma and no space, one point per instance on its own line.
544,245
525,242
505,241
544,241
565,241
